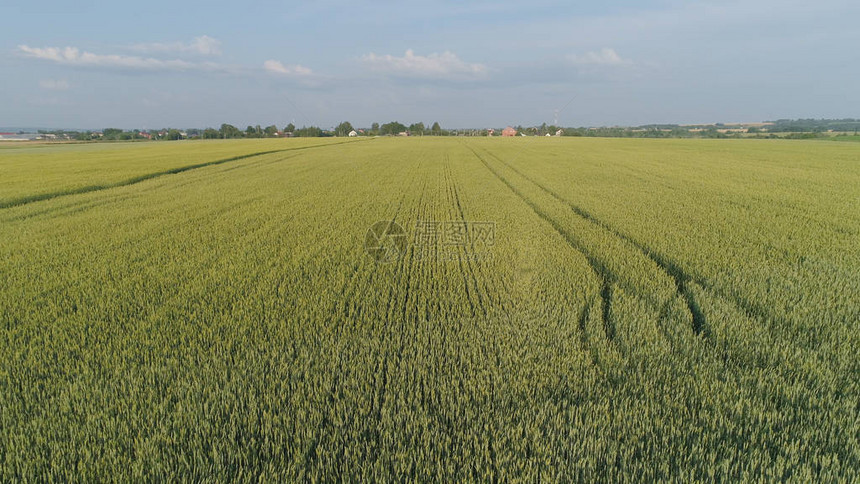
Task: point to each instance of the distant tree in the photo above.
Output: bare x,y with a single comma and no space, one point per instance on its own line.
250,132
112,133
375,128
343,128
173,135
229,131
271,130
289,128
309,132
210,133
416,128
436,129
392,128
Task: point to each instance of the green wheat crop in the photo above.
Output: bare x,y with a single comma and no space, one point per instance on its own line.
677,310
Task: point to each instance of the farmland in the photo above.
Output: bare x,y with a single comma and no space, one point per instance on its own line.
641,309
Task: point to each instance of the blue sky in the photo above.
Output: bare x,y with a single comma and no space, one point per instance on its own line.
482,63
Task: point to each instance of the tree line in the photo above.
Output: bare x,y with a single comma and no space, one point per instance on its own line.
801,128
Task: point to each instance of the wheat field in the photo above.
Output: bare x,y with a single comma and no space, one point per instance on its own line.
430,309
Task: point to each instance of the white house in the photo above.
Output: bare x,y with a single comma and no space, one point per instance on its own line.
353,134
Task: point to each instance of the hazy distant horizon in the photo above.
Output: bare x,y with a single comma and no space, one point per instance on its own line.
31,129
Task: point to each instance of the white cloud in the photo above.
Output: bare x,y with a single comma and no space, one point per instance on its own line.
75,57
605,57
434,66
54,85
72,56
203,45
277,67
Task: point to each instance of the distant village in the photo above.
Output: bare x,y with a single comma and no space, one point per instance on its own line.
792,129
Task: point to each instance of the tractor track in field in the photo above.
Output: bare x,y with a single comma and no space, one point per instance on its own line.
469,270
349,288
17,202
684,282
605,274
465,272
67,209
606,310
405,271
681,279
470,266
582,323
80,206
381,371
505,309
260,163
389,322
